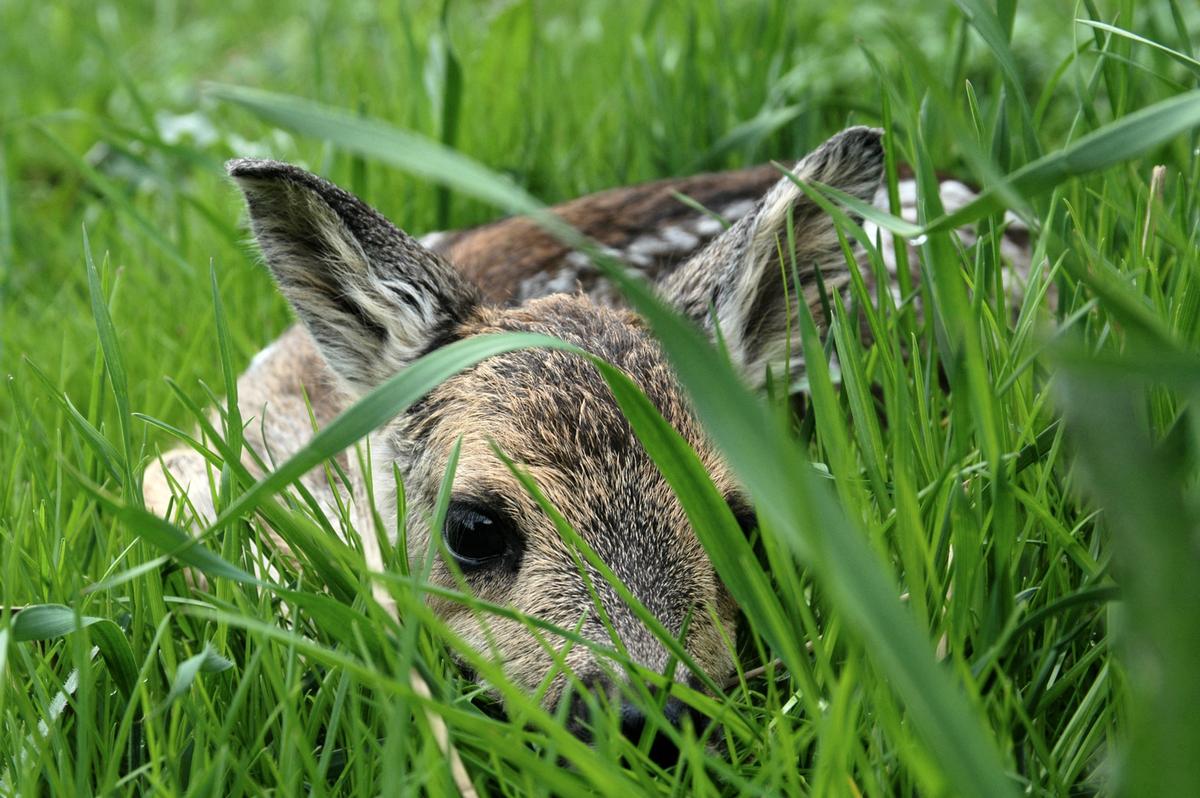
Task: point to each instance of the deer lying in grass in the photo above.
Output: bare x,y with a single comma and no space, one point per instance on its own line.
372,300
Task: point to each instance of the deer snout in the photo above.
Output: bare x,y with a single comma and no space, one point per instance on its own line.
636,726
663,751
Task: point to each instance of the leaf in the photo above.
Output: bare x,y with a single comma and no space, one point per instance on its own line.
993,33
749,134
233,415
207,661
883,219
800,507
996,32
386,144
172,540
709,515
1148,497
382,404
115,366
1127,138
1188,61
100,445
51,621
117,199
443,83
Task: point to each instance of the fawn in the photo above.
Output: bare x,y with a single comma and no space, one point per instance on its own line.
372,299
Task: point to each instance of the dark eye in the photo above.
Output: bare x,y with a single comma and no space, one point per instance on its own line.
476,537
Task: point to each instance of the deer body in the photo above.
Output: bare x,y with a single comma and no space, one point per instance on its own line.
371,299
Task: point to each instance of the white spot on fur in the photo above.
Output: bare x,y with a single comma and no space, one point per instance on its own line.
639,259
578,260
562,281
648,246
669,240
678,238
954,195
736,210
707,226
433,240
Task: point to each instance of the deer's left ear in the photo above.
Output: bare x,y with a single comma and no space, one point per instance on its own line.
740,276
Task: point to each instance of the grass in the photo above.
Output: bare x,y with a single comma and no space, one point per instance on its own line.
1022,470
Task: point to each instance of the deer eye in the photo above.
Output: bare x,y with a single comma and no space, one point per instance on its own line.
476,537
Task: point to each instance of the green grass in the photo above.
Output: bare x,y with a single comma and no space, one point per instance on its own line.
1023,472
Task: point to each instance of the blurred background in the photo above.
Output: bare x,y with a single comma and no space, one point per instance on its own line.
105,122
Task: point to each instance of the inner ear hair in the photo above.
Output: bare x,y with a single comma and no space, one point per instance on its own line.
739,273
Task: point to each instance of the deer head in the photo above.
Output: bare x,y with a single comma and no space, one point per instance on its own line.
374,300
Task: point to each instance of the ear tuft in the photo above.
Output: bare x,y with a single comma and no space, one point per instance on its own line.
258,167
372,297
852,161
738,283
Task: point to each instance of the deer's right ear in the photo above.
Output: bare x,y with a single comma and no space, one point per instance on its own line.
372,297
742,282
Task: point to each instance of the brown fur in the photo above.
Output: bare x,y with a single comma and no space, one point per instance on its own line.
551,412
503,255
372,299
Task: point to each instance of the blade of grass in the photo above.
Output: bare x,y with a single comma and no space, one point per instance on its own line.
172,540
207,661
115,365
117,199
383,143
1189,62
1146,494
51,621
1127,138
233,415
379,406
786,489
995,33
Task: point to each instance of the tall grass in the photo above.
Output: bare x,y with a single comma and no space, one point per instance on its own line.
974,572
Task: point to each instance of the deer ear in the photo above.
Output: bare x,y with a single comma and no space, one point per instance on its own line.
739,276
372,297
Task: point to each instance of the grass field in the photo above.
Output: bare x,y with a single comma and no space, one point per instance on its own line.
1025,475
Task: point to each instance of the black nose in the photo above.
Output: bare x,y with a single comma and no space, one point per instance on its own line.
663,751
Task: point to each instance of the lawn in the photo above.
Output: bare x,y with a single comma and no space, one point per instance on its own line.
977,567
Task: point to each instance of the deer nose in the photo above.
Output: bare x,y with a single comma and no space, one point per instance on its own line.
663,751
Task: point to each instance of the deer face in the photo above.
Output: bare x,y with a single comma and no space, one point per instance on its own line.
374,300
552,414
